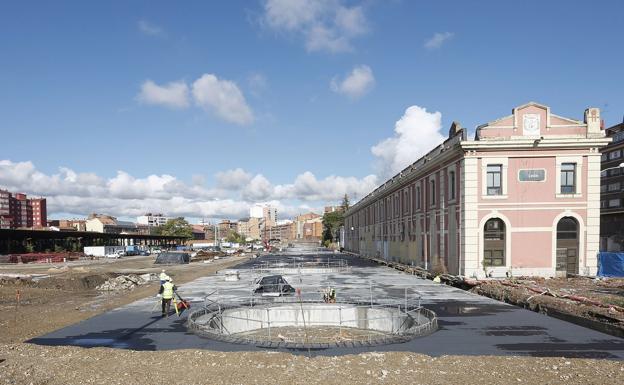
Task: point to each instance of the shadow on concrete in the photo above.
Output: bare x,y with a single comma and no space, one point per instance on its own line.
123,338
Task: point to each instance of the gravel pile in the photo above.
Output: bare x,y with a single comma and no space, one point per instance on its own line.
125,282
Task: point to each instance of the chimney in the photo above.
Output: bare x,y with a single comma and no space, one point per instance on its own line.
592,119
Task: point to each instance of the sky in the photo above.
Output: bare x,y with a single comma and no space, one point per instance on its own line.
202,109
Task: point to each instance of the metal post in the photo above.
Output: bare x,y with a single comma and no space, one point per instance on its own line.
268,323
340,320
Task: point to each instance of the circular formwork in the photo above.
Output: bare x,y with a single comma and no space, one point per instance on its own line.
313,324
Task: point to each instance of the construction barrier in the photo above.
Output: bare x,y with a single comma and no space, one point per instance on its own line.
610,264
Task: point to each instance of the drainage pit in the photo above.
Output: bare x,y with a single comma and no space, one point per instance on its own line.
313,324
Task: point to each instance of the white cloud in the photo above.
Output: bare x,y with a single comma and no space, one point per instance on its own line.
307,187
258,189
150,29
438,39
222,97
233,179
125,195
172,95
219,96
415,134
325,25
356,84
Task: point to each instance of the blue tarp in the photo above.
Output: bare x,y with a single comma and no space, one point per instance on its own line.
610,264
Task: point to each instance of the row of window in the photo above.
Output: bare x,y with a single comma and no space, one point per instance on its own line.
616,154
495,185
610,203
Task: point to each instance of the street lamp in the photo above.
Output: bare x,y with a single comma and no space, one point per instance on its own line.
621,165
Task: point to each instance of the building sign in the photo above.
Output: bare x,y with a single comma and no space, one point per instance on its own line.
534,175
531,124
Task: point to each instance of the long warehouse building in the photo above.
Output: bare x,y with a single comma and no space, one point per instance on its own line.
522,198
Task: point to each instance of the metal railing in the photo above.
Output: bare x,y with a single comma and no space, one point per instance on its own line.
406,317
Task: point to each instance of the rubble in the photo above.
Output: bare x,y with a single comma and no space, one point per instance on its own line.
126,282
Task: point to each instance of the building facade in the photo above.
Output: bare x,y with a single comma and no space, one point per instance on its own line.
152,220
522,198
612,191
308,226
17,210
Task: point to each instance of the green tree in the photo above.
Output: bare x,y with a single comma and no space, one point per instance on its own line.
331,225
177,227
235,237
345,203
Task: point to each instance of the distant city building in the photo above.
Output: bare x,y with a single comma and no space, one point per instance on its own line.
308,226
199,232
612,191
152,220
251,228
19,211
68,224
101,223
283,231
333,209
227,227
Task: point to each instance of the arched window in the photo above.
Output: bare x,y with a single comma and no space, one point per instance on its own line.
494,243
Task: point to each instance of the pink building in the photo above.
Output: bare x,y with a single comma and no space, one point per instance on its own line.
523,198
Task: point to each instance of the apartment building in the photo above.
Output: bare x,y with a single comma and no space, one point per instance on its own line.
152,220
612,191
522,198
17,210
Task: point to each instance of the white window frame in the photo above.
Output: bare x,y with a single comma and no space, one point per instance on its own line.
578,177
504,163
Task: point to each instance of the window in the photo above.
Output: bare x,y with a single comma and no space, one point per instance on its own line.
494,172
568,178
603,204
452,185
614,203
603,188
614,172
604,157
615,154
418,197
614,187
433,192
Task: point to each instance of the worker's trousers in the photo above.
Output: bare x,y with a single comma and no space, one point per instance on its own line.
166,306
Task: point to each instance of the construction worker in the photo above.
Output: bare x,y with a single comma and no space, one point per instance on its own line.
329,296
163,277
167,291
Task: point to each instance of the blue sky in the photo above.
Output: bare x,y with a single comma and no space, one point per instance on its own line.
274,101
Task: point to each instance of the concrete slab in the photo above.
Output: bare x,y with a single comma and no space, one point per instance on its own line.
468,324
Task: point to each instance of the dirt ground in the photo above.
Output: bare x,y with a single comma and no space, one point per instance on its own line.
68,296
32,364
600,301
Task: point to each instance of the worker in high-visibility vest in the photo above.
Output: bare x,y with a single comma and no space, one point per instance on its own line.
163,277
167,291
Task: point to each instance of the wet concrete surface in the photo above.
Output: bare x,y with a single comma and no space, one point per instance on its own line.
468,324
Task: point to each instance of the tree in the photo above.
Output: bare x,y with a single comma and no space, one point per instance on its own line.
345,203
235,237
177,227
331,225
